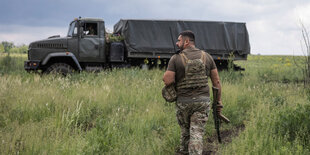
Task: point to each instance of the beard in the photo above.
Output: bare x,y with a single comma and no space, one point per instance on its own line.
181,47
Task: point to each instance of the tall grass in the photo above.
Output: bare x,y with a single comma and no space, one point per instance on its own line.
122,111
277,120
12,63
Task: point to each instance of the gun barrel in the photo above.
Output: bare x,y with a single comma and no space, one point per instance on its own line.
217,122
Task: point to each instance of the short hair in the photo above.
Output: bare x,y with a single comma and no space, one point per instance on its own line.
189,34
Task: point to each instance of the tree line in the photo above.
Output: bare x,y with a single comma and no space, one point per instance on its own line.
10,47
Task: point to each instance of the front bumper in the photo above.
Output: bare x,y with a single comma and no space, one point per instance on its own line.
31,64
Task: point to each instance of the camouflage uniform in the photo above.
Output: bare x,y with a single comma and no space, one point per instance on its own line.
192,67
192,115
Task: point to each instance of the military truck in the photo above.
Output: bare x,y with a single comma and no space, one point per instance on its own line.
144,43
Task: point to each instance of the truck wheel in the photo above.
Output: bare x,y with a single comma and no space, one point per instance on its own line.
59,68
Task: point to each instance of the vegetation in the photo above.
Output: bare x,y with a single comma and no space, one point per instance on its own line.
122,112
114,38
9,47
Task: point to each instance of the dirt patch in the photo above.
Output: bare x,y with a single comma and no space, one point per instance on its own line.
211,143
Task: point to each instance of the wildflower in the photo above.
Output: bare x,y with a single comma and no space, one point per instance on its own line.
288,64
275,65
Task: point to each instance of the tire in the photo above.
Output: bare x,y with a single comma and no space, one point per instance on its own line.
59,68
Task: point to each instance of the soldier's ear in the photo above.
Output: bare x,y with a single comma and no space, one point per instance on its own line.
186,41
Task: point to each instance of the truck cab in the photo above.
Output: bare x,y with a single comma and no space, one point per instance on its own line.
82,48
86,38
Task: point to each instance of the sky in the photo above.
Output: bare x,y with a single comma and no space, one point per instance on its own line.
274,26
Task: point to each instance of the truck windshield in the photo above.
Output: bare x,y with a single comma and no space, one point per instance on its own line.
72,29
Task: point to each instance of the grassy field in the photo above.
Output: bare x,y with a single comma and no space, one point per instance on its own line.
122,111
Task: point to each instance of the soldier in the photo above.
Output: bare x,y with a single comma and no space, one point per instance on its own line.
189,71
91,30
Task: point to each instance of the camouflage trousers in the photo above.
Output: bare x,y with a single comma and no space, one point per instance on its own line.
192,115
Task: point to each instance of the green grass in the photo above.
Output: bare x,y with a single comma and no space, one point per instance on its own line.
122,111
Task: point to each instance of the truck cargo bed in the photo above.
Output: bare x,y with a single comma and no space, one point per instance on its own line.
153,38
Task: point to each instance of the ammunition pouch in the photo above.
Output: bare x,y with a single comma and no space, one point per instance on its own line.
169,93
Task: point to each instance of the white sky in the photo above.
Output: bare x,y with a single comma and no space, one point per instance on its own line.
273,25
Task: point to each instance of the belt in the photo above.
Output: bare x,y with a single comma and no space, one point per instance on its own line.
193,99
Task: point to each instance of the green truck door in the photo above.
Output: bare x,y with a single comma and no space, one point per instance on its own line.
89,44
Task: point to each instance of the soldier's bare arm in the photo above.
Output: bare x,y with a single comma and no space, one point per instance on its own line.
169,77
215,78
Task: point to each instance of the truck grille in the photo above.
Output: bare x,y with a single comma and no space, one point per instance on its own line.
50,46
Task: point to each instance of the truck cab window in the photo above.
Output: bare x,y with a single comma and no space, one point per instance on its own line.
72,29
75,31
90,29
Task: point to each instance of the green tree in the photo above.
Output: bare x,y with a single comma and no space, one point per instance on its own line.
19,49
7,46
23,48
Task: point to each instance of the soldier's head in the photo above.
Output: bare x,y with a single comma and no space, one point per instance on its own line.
186,39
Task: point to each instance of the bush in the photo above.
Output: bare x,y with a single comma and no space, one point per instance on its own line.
7,63
294,124
231,76
19,49
11,63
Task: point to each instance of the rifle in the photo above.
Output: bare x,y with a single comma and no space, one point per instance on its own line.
217,116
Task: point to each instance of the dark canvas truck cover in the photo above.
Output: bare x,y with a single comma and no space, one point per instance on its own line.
153,38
